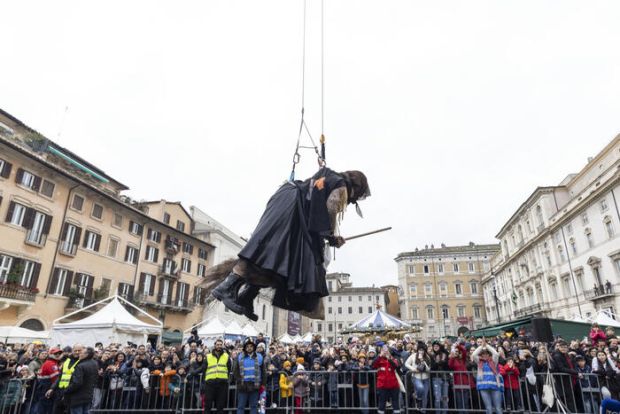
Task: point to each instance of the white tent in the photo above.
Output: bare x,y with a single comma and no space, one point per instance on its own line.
604,319
307,338
286,339
250,331
234,328
110,324
17,335
213,329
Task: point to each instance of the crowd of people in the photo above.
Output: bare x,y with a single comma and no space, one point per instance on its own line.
504,373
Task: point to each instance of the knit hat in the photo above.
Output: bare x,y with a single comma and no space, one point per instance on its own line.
317,361
372,349
361,355
287,364
300,368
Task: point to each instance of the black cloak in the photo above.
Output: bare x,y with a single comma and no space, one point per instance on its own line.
289,240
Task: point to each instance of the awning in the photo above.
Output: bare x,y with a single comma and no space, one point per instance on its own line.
171,337
496,329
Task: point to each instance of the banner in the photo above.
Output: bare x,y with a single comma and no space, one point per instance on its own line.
294,323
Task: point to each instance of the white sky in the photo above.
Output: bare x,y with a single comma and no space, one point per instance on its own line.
455,110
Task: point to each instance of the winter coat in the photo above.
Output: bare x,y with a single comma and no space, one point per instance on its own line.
597,336
82,384
460,365
301,384
511,376
286,385
386,373
420,367
164,381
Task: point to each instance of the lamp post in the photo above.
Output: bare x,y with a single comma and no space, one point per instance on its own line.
499,319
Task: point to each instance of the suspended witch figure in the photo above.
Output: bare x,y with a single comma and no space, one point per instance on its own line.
287,249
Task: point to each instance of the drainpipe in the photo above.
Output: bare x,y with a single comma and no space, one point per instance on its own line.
570,266
64,217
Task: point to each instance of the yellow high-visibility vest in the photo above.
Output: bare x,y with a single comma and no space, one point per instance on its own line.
217,368
67,371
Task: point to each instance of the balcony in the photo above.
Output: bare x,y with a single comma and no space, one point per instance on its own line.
67,248
165,303
598,293
16,295
530,310
77,303
171,272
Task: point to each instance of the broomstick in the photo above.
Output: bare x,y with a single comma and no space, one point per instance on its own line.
357,236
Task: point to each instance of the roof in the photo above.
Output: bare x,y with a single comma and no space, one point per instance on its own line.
96,189
526,204
447,250
65,150
378,321
167,202
359,290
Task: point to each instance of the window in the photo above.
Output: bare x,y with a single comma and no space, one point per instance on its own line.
557,237
61,281
180,225
603,205
350,298
370,309
97,211
440,268
471,267
330,327
186,265
118,220
553,287
70,239
458,289
455,267
477,314
350,310
474,288
147,284
91,241
411,269
182,293
84,284
589,237
329,310
131,255
414,312
460,311
329,298
569,228
609,227
16,214
5,168
359,298
370,298
443,289
188,248
112,247
329,285
202,270
202,254
152,254
165,292
339,310
430,312
28,179
135,228
47,188
566,287
105,286
360,310
377,298
339,326
38,228
445,312
573,246
153,236
428,290
5,267
539,216
124,290
426,269
561,253
77,203
584,219
413,290
198,298
339,298
617,264
319,326
166,218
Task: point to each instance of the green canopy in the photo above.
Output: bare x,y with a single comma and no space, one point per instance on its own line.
172,337
559,327
496,329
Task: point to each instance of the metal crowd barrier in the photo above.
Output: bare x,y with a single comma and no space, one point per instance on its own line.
327,391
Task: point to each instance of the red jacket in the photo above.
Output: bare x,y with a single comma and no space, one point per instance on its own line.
460,365
511,376
386,373
50,370
596,336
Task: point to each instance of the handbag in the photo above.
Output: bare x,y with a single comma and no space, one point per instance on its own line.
530,376
116,383
400,384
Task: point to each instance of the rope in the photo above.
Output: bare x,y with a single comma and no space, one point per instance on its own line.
322,83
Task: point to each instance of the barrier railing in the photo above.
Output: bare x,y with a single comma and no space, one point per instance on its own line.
322,391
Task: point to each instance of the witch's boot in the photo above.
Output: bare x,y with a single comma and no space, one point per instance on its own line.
246,297
228,292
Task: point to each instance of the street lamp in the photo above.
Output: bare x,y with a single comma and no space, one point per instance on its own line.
495,295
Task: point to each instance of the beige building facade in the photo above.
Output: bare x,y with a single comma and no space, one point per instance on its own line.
441,288
68,237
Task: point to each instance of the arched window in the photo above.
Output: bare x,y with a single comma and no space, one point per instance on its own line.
33,325
430,312
443,289
445,312
589,237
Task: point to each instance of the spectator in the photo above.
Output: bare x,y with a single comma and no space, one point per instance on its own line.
79,394
604,366
301,386
596,334
587,385
249,373
317,384
388,388
489,381
462,381
47,377
218,368
286,385
563,364
439,377
419,363
512,390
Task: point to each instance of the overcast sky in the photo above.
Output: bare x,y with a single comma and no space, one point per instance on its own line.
455,110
